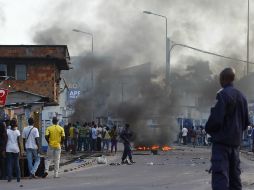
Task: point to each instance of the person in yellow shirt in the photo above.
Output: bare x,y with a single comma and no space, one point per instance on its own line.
55,137
74,133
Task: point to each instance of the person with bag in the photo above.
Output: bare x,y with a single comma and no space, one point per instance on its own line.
13,150
30,136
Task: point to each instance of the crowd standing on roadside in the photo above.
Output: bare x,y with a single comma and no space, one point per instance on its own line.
73,138
195,136
90,137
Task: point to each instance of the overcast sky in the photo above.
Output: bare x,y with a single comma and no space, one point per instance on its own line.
121,29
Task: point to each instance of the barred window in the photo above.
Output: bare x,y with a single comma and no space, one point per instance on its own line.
3,69
20,72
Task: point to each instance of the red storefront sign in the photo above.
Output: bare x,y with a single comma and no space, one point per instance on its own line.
3,96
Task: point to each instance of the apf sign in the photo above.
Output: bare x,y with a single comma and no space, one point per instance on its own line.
73,94
3,96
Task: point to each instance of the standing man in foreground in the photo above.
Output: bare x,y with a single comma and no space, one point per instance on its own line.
227,121
30,136
55,138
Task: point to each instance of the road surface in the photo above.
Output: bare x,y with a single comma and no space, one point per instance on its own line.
180,169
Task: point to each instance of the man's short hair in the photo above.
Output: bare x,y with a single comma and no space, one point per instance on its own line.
30,121
228,74
14,122
54,120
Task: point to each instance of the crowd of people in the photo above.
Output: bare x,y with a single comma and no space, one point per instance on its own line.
195,136
90,136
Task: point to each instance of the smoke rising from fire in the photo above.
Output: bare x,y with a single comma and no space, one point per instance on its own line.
124,37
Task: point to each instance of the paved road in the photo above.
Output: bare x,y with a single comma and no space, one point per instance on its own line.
180,169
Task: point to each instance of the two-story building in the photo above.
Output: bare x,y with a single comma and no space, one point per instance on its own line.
31,73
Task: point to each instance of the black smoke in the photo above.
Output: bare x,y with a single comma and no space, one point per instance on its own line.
124,37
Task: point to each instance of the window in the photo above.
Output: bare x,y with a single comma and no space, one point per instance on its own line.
3,70
20,72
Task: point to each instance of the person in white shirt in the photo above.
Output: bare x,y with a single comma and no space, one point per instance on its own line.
30,137
13,150
94,137
184,135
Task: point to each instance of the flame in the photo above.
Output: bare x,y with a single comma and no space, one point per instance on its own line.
155,147
143,148
166,148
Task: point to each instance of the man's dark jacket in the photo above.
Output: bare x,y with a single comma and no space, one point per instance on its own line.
229,117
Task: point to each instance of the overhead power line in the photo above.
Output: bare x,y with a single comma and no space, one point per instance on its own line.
207,52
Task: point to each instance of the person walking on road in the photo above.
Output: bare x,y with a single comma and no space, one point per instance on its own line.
55,138
227,121
31,136
126,134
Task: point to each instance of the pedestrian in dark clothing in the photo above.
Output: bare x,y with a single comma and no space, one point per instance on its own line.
226,123
126,134
3,142
67,137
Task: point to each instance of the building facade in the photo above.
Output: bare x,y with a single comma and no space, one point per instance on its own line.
32,75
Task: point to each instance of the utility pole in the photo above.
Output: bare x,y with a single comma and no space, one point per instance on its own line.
248,38
122,88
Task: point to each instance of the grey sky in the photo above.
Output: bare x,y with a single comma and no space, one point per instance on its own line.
120,29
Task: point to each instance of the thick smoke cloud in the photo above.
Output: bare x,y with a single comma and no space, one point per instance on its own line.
125,37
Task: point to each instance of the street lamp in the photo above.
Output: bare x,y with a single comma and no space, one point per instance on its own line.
90,34
92,72
248,37
87,33
167,42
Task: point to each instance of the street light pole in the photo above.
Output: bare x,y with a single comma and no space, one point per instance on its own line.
91,35
167,44
92,72
248,37
87,33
